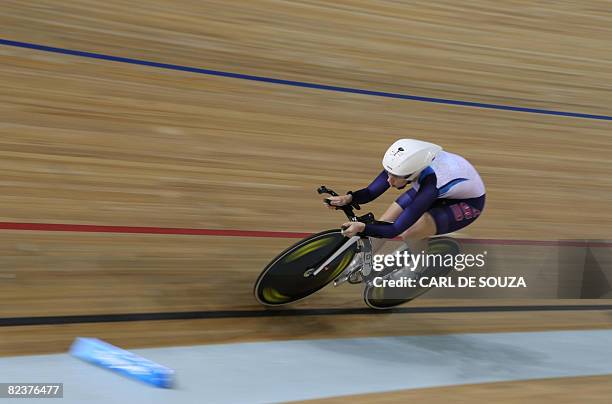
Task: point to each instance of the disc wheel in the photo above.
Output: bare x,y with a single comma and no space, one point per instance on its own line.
388,297
286,278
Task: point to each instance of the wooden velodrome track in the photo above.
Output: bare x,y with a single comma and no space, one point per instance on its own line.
90,141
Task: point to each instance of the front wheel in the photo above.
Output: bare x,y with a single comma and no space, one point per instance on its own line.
287,278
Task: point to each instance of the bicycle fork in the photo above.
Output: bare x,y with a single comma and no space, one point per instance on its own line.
361,266
362,261
364,247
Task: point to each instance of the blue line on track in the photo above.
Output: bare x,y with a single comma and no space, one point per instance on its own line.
303,84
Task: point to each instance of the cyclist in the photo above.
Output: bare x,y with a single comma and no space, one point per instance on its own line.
445,193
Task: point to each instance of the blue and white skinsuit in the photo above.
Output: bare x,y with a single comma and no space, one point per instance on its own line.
450,189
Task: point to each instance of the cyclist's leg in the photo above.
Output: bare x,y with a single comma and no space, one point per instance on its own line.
418,234
442,218
414,240
392,212
451,215
445,216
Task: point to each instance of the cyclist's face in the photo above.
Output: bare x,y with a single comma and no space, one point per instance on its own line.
395,181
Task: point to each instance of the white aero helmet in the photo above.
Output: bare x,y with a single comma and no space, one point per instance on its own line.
408,157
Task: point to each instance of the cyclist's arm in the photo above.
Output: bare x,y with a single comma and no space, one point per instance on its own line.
372,191
422,201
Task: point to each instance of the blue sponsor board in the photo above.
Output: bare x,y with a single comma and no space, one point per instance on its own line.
119,360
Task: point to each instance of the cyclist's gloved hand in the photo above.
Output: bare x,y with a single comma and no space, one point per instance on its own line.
350,229
336,201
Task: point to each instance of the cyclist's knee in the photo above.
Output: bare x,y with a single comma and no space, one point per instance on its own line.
424,228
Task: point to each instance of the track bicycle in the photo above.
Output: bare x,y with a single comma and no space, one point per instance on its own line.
312,263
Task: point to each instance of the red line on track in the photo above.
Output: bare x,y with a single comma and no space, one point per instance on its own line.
89,228
535,243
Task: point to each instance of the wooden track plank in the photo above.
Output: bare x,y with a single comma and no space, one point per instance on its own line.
59,274
44,339
566,390
552,55
88,142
